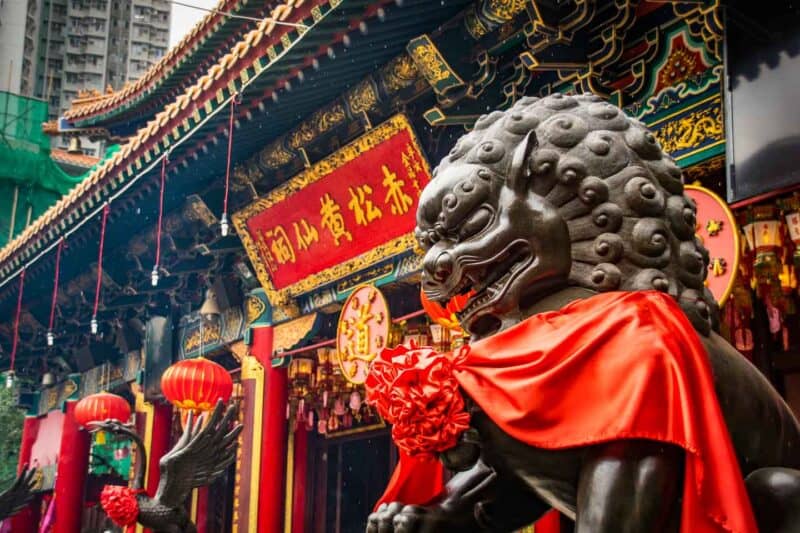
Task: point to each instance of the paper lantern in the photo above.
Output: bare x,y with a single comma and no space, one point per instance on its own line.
196,384
102,406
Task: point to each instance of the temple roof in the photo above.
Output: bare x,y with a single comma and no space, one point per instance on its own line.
197,51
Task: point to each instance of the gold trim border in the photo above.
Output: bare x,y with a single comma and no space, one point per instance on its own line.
319,170
736,237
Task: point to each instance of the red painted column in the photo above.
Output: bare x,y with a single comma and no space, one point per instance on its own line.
271,501
159,444
73,465
299,477
28,518
201,520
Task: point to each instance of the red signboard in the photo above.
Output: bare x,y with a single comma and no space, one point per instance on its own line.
348,211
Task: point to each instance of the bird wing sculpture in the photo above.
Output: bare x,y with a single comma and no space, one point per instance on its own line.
19,494
202,454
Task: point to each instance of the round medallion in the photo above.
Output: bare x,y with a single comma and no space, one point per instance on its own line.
362,332
717,230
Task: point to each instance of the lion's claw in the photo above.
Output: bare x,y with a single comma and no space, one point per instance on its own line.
398,518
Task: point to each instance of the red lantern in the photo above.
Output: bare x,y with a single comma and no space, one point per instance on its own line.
445,316
102,406
196,384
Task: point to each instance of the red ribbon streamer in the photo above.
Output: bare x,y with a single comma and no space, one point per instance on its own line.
230,149
161,210
100,260
55,284
16,320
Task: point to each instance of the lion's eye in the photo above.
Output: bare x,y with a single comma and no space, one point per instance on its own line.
475,223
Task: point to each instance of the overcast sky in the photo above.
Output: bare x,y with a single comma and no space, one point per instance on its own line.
184,18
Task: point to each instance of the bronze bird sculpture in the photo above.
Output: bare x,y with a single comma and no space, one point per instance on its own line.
201,455
19,494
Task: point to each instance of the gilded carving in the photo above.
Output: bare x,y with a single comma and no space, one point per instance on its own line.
399,73
504,10
363,97
702,171
681,65
474,25
433,67
211,334
303,135
275,155
327,119
698,127
255,307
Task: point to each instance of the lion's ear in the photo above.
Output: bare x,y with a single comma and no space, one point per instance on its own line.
519,171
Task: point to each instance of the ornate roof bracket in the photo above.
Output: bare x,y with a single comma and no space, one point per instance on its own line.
368,99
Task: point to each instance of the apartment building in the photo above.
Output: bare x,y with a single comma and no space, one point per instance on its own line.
52,49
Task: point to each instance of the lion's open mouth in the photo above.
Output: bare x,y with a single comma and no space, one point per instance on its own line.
495,276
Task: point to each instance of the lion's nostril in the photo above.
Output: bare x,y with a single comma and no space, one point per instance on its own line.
443,267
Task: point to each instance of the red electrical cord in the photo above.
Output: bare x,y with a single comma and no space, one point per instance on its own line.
16,320
230,149
160,211
100,259
55,284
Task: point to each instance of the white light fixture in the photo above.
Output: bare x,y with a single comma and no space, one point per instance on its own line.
224,226
93,325
51,339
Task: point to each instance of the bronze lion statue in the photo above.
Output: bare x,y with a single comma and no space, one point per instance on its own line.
556,200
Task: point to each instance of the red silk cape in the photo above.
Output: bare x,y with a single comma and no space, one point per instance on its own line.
620,365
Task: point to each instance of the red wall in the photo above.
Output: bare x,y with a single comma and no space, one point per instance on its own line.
48,439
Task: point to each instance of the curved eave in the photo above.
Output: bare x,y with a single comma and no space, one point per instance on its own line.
169,74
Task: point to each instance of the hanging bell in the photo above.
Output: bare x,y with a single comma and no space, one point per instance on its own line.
51,339
154,276
223,225
93,325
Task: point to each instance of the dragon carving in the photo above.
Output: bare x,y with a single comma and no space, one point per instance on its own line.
19,495
556,200
203,453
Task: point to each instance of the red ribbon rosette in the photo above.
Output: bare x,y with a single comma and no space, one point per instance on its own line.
414,389
120,504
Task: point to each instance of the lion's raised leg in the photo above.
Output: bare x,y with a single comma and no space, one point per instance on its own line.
630,487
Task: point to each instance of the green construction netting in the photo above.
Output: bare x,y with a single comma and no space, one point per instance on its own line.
30,181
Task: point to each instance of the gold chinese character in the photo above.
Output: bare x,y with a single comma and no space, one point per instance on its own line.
262,246
280,246
361,206
401,202
332,219
306,234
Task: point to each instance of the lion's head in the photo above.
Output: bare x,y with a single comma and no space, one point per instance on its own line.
559,191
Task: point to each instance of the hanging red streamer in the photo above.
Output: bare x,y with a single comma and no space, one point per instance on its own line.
16,320
161,210
55,285
234,101
100,259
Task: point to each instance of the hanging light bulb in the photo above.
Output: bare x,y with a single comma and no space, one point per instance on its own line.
93,325
50,337
154,276
10,379
223,225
